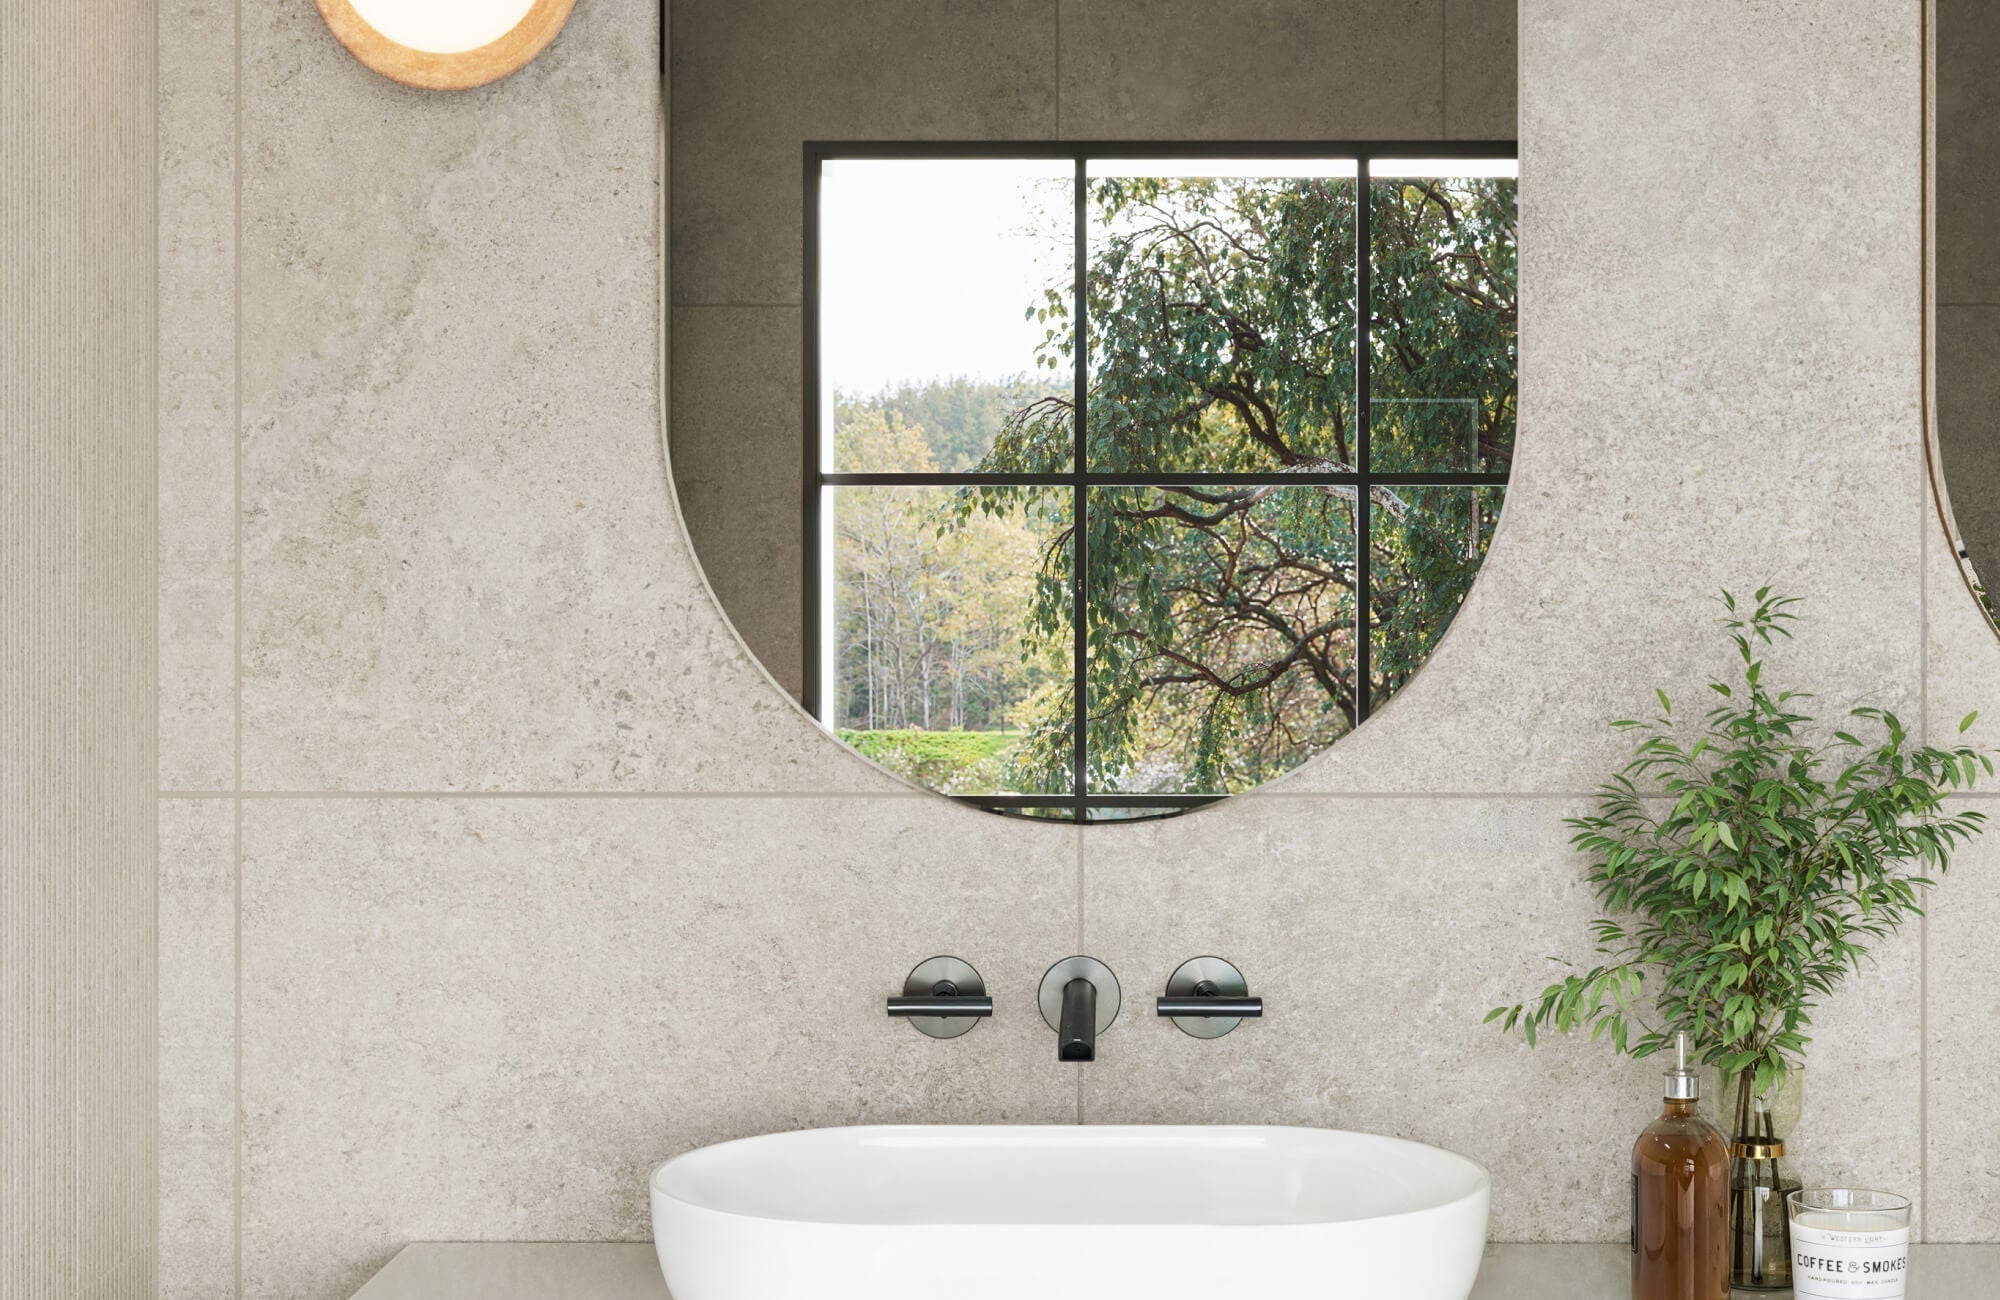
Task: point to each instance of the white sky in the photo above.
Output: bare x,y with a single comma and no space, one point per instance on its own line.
928,265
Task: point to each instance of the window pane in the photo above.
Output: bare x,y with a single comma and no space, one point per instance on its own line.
951,649
945,289
1442,348
1221,634
1221,303
1427,544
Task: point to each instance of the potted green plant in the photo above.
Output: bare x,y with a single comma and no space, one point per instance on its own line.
1747,865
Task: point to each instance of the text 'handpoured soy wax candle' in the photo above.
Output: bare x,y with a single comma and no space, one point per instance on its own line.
1849,1244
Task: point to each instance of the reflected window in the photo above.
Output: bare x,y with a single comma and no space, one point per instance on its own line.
1097,529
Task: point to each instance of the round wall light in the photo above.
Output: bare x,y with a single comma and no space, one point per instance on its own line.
445,44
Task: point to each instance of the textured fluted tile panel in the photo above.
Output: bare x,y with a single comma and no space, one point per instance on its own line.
1684,355
461,564
1963,1085
1379,931
1261,70
197,404
197,974
734,439
753,80
1481,48
78,1120
488,1019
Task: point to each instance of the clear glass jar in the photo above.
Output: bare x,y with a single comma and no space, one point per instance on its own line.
1760,1176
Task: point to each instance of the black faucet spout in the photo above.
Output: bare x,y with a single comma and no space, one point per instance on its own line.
1076,1038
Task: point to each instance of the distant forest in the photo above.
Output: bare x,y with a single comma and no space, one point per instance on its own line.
932,594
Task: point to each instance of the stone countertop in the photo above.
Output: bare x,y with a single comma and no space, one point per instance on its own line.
628,1271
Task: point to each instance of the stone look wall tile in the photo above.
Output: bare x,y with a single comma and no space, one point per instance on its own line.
753,80
1673,355
735,442
197,973
462,564
1962,1089
1481,49
1269,69
489,1019
1962,664
197,412
1379,932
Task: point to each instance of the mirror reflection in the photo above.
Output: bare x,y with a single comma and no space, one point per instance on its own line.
1966,357
1093,527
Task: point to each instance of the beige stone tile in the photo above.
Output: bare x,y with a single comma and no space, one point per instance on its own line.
735,439
197,385
1272,69
1680,366
1379,932
1481,54
753,80
1962,1087
1968,151
1962,662
488,1019
463,568
197,1016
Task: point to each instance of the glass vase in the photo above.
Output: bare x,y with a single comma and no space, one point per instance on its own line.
1760,1176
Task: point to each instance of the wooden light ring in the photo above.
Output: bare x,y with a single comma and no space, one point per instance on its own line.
460,70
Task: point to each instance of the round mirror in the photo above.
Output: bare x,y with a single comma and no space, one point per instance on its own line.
445,44
1091,526
1965,429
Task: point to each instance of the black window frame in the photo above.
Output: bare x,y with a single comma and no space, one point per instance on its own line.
1079,478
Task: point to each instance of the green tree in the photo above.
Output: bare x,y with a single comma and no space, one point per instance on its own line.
1221,620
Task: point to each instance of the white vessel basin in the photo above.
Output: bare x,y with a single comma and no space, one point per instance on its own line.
1069,1213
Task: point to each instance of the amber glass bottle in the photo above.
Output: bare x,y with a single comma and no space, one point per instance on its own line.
1680,1199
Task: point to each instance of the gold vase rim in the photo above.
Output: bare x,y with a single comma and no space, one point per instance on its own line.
1757,1148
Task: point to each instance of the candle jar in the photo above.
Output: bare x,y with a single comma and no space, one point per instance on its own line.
1849,1244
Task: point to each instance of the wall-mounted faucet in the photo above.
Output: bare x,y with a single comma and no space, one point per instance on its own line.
943,997
1079,999
1207,997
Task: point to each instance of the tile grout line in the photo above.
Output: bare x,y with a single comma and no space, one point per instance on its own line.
1262,797
236,645
1925,328
1056,99
1079,947
1444,72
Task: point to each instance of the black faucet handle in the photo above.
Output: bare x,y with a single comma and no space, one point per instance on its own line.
942,998
1212,1004
1207,997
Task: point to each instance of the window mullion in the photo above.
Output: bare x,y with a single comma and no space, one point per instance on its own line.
1363,496
1080,493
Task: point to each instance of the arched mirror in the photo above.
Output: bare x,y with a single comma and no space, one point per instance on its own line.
1090,521
1965,435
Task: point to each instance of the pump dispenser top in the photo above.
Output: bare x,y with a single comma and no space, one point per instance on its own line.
1683,1084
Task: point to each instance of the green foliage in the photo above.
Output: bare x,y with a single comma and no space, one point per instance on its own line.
952,761
1221,622
1748,869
